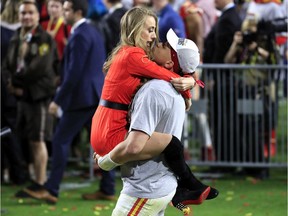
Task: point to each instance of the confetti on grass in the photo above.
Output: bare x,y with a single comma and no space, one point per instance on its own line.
52,208
74,208
252,180
100,207
229,199
246,204
65,209
231,193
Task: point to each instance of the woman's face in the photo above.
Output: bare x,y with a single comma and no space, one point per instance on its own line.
148,33
55,9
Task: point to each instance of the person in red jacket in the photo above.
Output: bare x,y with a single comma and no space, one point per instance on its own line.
55,26
129,62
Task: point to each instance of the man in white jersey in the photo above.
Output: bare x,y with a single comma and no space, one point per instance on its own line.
149,186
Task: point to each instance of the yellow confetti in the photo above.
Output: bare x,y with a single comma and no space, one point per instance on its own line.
96,213
52,208
230,193
65,209
229,198
248,214
106,207
20,201
98,208
186,210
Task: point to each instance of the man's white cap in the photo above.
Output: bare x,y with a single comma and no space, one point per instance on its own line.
187,51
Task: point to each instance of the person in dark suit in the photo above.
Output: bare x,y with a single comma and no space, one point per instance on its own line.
112,23
216,45
221,35
109,25
78,97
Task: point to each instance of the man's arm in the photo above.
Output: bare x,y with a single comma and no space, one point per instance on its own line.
128,150
137,146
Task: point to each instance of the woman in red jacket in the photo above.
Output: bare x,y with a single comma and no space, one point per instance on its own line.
130,61
55,26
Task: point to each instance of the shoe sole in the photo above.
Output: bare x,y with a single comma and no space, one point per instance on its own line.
32,194
200,200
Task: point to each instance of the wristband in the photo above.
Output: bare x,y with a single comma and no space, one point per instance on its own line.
106,163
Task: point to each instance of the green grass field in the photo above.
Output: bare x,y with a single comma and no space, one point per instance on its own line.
239,196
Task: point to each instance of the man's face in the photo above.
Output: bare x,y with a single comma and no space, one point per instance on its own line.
162,54
220,4
69,15
28,16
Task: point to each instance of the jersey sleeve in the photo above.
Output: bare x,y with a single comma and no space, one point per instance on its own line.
140,65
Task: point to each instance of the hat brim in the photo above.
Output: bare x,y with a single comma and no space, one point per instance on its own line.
172,39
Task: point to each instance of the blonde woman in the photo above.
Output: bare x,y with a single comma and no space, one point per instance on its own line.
129,62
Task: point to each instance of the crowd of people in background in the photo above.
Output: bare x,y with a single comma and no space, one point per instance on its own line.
45,57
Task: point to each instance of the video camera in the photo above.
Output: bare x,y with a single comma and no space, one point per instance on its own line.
249,37
266,29
273,26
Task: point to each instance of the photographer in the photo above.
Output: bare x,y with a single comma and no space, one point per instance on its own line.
246,44
253,47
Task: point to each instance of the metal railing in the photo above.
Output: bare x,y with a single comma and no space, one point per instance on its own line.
239,118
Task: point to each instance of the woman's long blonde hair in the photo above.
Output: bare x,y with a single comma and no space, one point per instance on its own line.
132,24
10,11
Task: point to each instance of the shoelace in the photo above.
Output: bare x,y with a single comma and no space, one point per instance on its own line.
185,209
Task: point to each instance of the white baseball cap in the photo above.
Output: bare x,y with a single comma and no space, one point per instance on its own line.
187,51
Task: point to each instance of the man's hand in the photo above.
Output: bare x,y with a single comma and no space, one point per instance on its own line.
14,90
18,92
105,162
183,83
53,108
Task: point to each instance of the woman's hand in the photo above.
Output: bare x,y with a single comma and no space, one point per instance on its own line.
238,38
183,83
188,104
95,157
